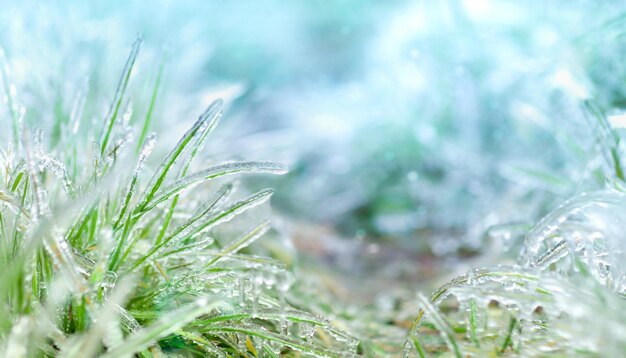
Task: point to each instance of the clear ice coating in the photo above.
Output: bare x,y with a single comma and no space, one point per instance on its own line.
560,300
586,233
100,279
218,171
408,122
522,312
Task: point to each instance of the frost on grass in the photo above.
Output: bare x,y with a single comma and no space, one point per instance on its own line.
521,312
100,257
566,295
585,234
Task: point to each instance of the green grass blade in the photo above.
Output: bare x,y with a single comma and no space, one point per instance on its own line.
607,138
246,240
213,173
225,215
508,340
145,128
146,149
216,202
207,119
233,210
442,326
213,114
119,96
473,322
10,97
286,340
169,324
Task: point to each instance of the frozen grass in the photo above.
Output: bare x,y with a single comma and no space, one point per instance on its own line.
108,249
99,257
566,296
514,311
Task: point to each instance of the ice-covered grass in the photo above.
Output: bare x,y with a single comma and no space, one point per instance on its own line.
107,249
566,296
516,311
111,246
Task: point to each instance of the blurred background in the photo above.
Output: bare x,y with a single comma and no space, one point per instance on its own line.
421,135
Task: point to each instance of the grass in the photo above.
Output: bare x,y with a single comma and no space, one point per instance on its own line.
564,298
109,260
513,311
108,248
